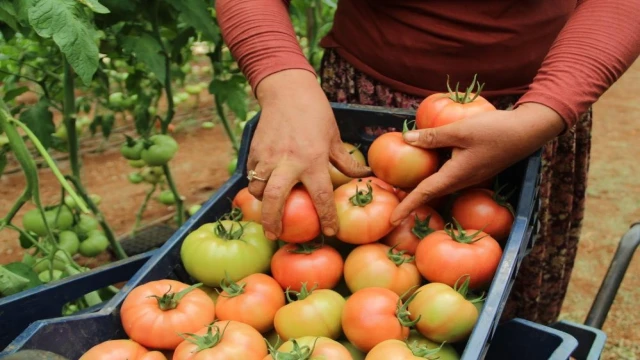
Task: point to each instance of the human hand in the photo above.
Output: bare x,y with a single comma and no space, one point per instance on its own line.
295,141
484,145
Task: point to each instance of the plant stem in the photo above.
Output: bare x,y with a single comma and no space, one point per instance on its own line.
143,207
176,195
108,232
167,67
70,119
227,126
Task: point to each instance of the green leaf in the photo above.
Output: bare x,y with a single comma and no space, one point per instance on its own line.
197,14
23,7
95,6
107,125
232,93
69,26
143,119
13,93
8,14
40,120
24,271
148,51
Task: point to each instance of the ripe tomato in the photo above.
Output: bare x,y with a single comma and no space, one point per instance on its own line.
338,178
407,350
443,312
223,340
446,255
300,222
420,223
253,300
400,164
363,215
250,206
484,209
379,266
319,266
310,347
373,315
445,108
121,349
375,180
238,249
314,313
153,314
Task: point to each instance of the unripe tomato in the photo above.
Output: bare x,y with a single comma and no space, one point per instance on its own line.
69,242
337,177
94,245
310,347
46,277
166,197
58,218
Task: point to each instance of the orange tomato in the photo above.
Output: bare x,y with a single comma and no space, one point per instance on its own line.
484,209
223,340
420,223
300,222
253,300
377,265
313,346
153,314
121,349
373,315
338,178
319,266
250,206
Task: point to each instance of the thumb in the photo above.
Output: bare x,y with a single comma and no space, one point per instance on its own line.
343,161
431,138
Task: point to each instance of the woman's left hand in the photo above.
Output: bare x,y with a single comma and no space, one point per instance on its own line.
483,146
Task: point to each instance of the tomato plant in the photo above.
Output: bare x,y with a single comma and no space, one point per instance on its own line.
486,210
443,313
446,255
320,266
312,313
254,300
373,315
420,223
250,207
223,340
445,108
238,249
337,177
400,164
363,215
380,266
121,349
300,222
154,313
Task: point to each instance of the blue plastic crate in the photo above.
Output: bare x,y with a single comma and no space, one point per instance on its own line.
591,341
166,263
46,301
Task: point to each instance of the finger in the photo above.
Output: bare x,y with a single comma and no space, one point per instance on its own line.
450,135
343,161
318,184
256,187
276,192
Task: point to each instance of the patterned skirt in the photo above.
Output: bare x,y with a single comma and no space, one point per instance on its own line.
542,280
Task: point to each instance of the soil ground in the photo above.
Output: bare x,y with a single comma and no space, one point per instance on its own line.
613,202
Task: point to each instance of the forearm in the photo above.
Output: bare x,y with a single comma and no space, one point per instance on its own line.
599,43
260,37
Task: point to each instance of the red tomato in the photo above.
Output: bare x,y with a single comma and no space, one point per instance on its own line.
121,349
250,206
253,300
363,214
375,180
400,164
338,178
316,265
373,315
300,222
377,265
153,314
484,209
446,255
223,340
420,223
445,108
443,313
310,347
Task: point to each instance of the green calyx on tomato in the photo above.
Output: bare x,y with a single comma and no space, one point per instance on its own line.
466,98
398,257
159,150
460,235
132,149
228,234
234,215
464,290
403,313
231,288
300,295
501,199
208,340
362,198
423,351
297,353
305,248
421,228
405,126
170,300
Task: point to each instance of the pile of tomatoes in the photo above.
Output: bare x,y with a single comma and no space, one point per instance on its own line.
373,291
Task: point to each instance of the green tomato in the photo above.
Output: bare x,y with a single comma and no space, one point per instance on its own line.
116,99
69,242
4,140
135,178
233,164
161,151
152,110
186,68
85,224
237,249
28,259
137,164
131,150
70,202
207,125
97,199
94,245
32,220
166,197
45,276
152,175
130,101
193,209
192,89
43,264
61,133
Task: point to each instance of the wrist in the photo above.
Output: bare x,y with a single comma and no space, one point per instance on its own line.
286,85
542,118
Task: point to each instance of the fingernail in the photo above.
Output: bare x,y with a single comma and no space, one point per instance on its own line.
329,231
271,236
411,136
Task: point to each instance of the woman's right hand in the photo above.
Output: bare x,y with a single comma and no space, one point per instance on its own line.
295,141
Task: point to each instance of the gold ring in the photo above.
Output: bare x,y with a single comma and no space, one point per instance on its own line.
252,175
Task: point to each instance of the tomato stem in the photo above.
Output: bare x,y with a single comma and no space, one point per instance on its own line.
460,235
302,294
305,248
464,288
228,234
421,228
402,312
398,257
362,198
208,340
422,351
501,199
170,300
231,287
405,126
297,353
466,98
